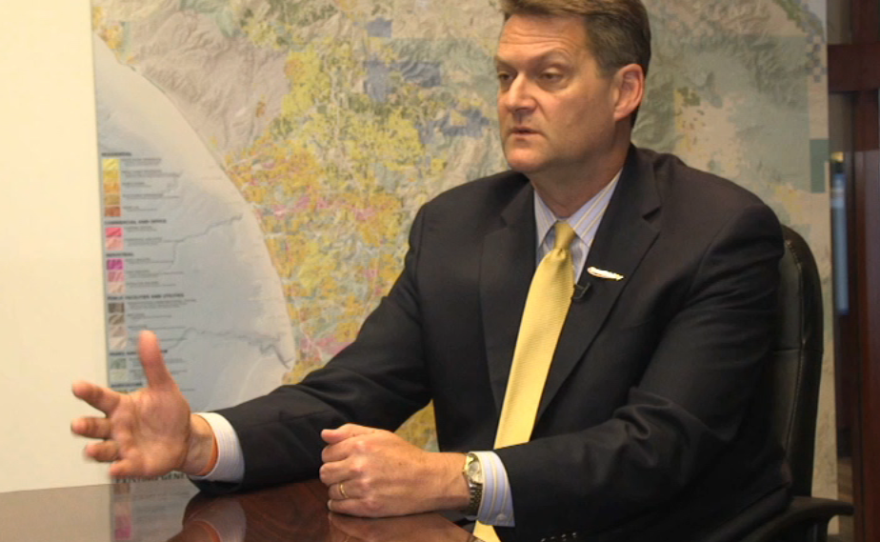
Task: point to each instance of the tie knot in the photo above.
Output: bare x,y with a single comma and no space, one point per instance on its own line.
564,236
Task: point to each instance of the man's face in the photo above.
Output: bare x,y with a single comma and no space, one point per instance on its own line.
557,111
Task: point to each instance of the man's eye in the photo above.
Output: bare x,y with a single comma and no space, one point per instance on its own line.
503,77
551,76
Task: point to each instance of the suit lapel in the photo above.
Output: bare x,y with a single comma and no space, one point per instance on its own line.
506,269
621,241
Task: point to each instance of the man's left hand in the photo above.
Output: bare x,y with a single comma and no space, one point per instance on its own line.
375,473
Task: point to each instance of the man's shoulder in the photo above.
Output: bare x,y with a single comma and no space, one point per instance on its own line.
677,180
693,200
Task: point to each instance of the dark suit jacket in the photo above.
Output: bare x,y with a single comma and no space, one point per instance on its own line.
646,428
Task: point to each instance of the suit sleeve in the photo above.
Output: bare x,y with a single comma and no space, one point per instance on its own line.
687,408
379,381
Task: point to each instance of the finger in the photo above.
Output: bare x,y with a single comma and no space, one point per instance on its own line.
104,399
92,427
334,453
354,507
103,451
340,491
334,472
340,507
150,354
347,449
127,468
333,436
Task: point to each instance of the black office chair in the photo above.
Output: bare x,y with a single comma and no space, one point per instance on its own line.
794,390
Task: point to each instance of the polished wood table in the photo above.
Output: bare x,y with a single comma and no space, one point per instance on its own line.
173,510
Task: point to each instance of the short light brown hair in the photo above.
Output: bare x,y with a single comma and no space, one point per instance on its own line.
618,31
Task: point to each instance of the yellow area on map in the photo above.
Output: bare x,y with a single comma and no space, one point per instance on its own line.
311,176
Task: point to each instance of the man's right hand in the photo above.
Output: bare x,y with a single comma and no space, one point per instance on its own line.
149,432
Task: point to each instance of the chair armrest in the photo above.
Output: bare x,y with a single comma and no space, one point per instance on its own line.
802,513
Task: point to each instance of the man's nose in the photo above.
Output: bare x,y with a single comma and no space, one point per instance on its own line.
519,95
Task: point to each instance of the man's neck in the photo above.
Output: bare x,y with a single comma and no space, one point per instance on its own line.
565,194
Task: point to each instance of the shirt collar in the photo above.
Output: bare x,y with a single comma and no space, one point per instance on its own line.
584,221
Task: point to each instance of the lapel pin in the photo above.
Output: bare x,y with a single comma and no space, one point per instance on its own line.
602,274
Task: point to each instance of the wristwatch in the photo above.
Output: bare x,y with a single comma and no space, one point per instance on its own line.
473,475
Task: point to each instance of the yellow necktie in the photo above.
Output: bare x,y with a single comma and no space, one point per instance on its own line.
546,308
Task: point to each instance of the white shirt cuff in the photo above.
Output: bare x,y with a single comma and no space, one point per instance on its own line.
496,507
230,460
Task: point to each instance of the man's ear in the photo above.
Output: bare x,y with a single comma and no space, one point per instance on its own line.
630,82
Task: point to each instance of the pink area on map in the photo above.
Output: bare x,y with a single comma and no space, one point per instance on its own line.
113,232
114,243
116,276
330,345
323,348
115,263
302,204
364,214
280,211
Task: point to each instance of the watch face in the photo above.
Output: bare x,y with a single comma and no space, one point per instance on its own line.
475,471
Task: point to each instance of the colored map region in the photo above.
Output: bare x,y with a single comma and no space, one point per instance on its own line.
334,120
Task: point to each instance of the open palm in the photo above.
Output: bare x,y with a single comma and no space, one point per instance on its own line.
146,433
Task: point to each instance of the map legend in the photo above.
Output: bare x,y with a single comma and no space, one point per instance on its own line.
111,176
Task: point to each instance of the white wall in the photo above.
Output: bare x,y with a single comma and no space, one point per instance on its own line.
51,310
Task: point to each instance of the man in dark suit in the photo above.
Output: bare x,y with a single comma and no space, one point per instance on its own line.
647,420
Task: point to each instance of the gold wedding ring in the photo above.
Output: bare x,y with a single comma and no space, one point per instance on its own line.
342,490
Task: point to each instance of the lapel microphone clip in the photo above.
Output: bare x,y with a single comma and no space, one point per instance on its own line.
580,292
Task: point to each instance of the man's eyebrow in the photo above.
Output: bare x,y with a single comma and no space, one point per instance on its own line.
542,58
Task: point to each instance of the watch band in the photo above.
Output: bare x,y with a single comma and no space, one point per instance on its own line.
473,475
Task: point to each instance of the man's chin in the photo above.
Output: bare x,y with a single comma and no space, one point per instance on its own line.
524,165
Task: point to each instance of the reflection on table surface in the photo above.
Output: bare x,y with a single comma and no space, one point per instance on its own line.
174,510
